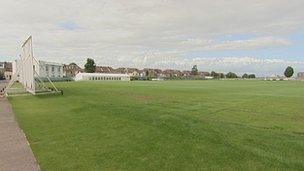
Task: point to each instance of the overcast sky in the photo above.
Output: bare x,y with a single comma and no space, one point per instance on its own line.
253,36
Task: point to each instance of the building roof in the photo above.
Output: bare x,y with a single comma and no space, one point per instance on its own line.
50,63
105,69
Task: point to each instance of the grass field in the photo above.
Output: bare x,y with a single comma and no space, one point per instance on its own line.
170,125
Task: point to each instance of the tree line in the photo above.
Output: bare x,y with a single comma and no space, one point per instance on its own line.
90,67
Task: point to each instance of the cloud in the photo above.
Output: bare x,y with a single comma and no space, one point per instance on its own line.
69,26
256,43
264,42
164,30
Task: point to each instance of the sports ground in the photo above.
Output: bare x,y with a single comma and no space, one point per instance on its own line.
169,125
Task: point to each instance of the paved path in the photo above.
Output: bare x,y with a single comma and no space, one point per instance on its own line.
15,153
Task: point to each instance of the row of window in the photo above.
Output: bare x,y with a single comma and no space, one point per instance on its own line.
105,78
52,68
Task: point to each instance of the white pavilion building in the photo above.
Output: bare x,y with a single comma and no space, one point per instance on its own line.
101,77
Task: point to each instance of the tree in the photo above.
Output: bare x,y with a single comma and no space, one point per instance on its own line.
231,75
213,74
289,72
194,70
251,76
90,66
245,76
147,73
217,75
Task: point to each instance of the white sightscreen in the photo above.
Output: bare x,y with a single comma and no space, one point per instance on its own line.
27,67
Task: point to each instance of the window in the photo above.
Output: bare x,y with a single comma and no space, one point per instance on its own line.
46,68
53,68
59,68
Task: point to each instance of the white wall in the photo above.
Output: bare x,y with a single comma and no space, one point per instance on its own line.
50,69
101,77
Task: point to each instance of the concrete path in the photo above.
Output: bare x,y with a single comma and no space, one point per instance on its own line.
15,152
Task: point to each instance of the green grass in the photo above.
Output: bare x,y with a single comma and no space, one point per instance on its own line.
170,125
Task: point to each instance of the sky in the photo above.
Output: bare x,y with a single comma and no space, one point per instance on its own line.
243,36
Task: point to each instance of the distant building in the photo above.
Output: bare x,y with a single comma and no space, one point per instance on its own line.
209,77
8,66
300,76
274,78
152,73
168,73
104,69
50,69
132,72
8,75
157,79
1,65
43,69
71,70
2,70
186,73
101,77
6,70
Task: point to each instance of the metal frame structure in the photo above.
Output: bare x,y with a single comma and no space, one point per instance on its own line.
28,76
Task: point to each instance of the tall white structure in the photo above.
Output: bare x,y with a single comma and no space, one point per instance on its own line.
101,77
27,71
27,67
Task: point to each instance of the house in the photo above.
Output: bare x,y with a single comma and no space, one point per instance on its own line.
149,72
142,73
2,70
71,70
6,70
205,74
274,78
8,75
8,66
104,69
186,73
300,76
132,72
168,73
49,69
